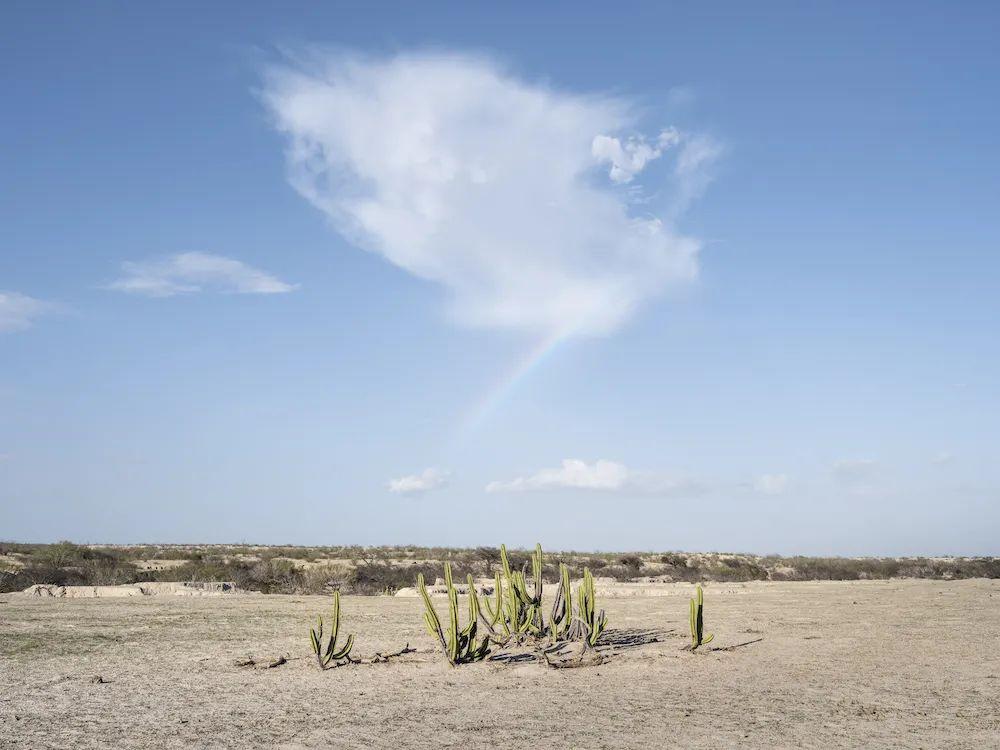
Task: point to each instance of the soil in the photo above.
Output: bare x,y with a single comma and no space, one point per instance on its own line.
902,664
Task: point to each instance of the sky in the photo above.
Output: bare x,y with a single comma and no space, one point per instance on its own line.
643,277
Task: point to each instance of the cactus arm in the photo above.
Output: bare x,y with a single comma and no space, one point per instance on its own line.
536,569
348,645
334,623
694,624
454,634
430,614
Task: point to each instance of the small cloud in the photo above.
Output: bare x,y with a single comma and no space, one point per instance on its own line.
602,475
425,481
771,484
854,471
188,273
943,457
631,157
19,311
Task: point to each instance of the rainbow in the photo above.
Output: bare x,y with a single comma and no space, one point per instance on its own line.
501,390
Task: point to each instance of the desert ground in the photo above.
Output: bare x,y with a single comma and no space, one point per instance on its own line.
899,663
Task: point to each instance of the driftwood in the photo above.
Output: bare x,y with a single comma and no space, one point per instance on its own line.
252,663
382,658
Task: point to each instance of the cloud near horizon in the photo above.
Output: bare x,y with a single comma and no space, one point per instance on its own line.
771,484
188,273
507,193
601,475
19,311
427,480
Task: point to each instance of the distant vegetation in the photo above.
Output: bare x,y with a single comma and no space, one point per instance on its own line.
378,570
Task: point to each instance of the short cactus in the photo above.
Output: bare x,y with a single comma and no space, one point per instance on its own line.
698,635
459,644
329,653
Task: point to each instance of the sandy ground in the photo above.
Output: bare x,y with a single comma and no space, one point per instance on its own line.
901,664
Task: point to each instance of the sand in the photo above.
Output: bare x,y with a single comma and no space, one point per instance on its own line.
902,664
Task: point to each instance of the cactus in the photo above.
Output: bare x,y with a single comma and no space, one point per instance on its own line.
330,654
515,611
458,644
586,606
562,608
521,611
698,635
491,612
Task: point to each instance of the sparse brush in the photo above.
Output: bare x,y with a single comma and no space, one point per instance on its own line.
698,635
329,653
459,644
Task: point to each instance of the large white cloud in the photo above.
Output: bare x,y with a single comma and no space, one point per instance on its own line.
186,273
502,191
603,475
19,311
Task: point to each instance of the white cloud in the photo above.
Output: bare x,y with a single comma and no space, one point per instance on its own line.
943,457
19,311
608,476
428,479
467,176
186,273
771,484
629,158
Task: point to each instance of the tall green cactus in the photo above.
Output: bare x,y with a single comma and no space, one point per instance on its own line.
698,635
459,644
586,604
493,611
521,611
562,608
329,653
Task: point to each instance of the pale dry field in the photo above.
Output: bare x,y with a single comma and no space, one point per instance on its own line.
900,664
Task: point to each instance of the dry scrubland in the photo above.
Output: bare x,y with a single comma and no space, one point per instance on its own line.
903,664
376,570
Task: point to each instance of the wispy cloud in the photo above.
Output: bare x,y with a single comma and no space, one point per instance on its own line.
425,481
19,311
503,191
855,469
859,476
771,484
187,273
601,475
942,457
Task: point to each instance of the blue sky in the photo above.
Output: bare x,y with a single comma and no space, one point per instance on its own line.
648,277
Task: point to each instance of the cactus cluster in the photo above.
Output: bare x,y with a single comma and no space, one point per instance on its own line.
459,644
329,653
698,635
514,611
520,612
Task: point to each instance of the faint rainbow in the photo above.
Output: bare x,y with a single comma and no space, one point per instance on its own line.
504,386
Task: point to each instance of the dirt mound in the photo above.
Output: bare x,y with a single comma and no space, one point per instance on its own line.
149,588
